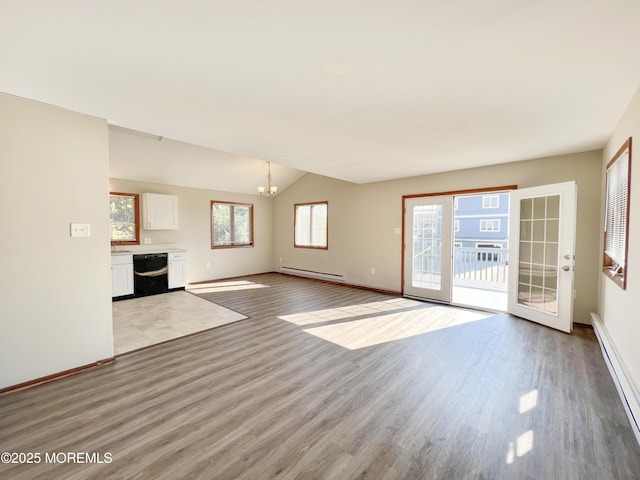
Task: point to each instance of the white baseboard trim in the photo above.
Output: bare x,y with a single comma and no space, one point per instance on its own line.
624,383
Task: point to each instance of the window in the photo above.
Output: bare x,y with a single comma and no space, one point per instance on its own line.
490,201
490,225
125,218
616,228
484,256
231,224
310,225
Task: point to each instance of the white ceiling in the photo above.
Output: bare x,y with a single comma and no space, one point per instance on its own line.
360,90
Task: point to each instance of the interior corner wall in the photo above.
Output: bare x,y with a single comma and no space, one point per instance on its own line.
618,308
55,305
365,220
194,232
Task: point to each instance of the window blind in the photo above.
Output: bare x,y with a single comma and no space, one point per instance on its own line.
616,214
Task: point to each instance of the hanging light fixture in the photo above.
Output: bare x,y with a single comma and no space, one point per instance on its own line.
271,189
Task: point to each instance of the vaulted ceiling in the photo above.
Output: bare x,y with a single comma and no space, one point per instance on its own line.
360,90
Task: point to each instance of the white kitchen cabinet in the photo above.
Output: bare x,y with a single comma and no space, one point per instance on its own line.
159,212
177,270
121,275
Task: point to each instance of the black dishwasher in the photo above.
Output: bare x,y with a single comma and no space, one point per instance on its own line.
150,274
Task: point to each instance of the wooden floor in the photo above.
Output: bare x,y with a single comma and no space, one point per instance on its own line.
477,397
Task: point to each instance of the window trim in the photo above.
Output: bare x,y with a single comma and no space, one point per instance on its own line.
610,266
232,220
295,223
136,199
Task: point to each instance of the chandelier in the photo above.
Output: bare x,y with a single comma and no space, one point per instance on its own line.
271,189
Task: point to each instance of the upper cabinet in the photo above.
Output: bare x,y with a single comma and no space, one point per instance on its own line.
159,212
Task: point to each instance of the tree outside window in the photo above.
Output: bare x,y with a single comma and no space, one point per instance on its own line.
231,224
125,218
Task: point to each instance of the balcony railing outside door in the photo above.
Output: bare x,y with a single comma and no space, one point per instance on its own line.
480,277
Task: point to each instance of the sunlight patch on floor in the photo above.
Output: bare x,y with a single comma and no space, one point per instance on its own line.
524,442
214,287
356,334
523,445
528,401
349,311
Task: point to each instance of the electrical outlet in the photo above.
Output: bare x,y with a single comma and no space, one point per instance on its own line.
373,271
147,241
80,230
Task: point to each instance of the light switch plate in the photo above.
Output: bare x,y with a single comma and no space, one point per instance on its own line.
80,230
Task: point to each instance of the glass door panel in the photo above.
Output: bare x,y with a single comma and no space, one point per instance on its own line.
538,280
428,247
542,229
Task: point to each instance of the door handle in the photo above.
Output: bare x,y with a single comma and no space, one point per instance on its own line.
566,268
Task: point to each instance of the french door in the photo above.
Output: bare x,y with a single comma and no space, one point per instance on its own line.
541,252
428,231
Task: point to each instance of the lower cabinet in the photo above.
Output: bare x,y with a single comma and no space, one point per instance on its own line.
121,275
122,283
177,270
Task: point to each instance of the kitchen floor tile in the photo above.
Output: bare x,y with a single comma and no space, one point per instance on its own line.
141,322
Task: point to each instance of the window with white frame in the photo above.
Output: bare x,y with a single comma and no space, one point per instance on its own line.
311,225
616,234
490,225
490,201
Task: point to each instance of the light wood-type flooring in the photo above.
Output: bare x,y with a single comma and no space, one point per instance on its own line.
329,382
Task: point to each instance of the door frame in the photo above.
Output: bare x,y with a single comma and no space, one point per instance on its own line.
439,194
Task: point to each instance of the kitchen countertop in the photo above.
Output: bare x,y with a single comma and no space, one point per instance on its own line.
137,250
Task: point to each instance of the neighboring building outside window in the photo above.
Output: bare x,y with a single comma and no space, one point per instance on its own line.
492,225
490,201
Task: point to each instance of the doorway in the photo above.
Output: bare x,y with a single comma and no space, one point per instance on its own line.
540,242
481,250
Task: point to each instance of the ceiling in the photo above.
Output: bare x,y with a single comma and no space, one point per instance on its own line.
359,90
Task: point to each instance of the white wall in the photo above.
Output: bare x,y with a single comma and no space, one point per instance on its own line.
194,232
363,219
55,306
619,309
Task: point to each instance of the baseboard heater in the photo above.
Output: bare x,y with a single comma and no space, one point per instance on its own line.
624,383
333,277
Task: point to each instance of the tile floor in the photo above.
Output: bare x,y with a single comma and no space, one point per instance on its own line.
140,322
